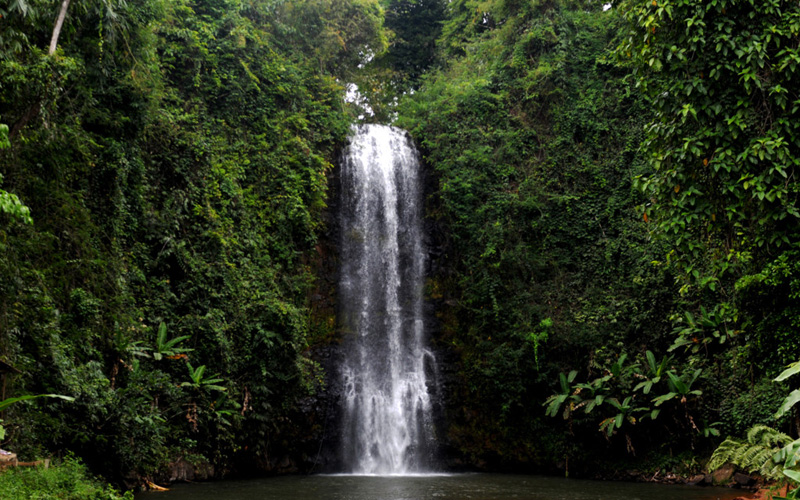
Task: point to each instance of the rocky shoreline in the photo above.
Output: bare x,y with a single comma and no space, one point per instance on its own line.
754,487
725,476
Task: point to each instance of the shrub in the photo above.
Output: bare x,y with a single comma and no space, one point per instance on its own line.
68,480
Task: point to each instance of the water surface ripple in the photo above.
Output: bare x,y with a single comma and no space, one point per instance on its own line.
436,487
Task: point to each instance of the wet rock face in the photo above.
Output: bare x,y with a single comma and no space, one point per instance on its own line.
450,456
323,411
308,435
182,470
314,420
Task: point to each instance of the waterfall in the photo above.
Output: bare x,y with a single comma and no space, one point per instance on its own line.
387,368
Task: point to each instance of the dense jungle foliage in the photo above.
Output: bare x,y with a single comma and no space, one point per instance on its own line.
173,156
617,195
613,187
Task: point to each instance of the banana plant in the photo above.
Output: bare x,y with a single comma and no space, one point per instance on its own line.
710,326
794,397
679,388
201,383
555,401
625,411
618,367
124,344
655,373
168,348
597,393
789,455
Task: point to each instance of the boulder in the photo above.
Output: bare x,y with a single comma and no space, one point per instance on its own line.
697,479
723,475
743,479
7,457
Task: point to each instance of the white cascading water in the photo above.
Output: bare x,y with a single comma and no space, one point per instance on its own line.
387,425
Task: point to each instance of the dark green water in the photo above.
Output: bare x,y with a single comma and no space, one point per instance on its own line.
445,487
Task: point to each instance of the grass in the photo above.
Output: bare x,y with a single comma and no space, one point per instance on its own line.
67,480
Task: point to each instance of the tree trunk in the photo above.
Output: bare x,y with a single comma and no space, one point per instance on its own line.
57,28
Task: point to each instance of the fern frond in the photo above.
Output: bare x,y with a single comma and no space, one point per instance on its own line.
771,470
753,454
757,458
724,452
767,436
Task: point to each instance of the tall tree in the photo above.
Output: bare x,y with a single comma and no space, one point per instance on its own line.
416,25
62,14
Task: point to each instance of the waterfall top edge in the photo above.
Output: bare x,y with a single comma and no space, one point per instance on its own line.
366,127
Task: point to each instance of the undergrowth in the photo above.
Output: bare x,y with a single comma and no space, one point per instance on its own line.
67,480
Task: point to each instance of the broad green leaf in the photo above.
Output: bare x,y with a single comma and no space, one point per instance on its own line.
563,381
792,474
792,399
662,399
6,402
651,360
793,369
174,341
